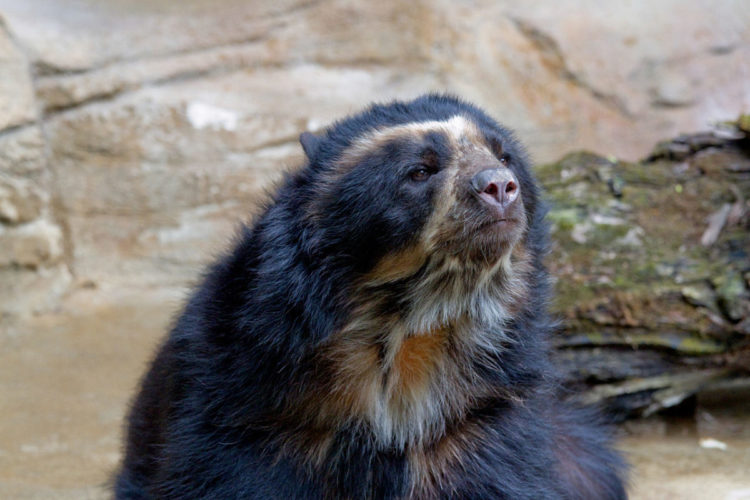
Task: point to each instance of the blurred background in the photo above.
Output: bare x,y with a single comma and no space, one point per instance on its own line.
135,135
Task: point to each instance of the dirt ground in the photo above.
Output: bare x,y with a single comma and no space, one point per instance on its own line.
66,378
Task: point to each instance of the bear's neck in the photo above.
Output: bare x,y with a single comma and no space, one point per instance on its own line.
411,359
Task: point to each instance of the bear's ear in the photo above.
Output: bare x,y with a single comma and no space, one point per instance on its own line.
310,144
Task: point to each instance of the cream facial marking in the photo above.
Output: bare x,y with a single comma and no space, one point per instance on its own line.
458,129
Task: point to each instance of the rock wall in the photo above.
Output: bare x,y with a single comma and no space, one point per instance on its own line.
33,271
135,134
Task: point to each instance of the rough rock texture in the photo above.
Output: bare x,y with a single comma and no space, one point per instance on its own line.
32,274
145,130
16,90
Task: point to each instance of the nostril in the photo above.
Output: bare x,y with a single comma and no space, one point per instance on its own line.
496,187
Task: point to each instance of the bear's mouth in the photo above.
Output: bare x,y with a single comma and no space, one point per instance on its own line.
499,224
498,221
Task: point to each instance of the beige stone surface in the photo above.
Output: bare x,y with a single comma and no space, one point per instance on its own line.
30,245
678,468
22,152
575,71
30,291
135,135
65,382
162,123
20,200
16,91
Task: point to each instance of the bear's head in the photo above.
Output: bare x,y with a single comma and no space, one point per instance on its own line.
402,184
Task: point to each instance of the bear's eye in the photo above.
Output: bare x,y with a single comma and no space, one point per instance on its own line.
419,174
505,159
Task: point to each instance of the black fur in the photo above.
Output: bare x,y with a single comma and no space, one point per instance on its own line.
213,413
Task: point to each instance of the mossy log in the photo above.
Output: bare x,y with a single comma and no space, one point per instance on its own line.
652,268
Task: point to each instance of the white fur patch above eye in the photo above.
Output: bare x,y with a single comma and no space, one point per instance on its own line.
456,128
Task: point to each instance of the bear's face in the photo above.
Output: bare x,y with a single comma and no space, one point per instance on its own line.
399,195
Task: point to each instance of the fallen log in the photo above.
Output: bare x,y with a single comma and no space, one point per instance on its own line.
652,262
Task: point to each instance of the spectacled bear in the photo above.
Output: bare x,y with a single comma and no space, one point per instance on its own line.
380,331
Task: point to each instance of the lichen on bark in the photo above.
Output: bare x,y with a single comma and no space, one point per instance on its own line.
652,268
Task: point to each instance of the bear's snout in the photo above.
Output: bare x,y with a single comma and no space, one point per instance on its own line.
497,187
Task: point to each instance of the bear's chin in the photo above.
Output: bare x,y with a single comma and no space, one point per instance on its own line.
483,244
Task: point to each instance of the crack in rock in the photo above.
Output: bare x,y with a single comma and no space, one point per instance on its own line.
554,59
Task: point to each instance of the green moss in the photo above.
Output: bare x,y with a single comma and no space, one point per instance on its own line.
692,345
648,174
564,219
649,280
686,345
743,122
731,293
606,235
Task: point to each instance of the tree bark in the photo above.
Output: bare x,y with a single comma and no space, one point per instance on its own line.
652,262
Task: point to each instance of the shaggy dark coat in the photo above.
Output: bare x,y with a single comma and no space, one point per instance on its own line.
380,331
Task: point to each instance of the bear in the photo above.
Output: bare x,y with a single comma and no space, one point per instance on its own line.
379,331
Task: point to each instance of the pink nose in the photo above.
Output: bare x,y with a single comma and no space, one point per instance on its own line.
496,186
